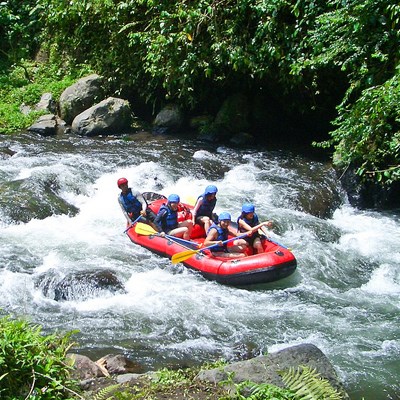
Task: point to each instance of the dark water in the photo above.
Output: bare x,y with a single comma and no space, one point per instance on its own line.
344,297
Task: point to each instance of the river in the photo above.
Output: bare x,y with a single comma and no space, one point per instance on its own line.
343,298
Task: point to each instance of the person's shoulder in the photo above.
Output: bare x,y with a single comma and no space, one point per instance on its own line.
162,210
135,192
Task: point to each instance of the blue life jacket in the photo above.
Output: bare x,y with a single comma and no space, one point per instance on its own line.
207,207
131,204
251,222
167,218
222,235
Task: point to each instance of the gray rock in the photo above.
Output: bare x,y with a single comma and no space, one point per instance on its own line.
264,369
84,367
46,125
128,378
168,120
25,199
80,96
118,364
110,116
47,103
242,138
79,285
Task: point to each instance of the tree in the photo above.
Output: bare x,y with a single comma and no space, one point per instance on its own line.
362,38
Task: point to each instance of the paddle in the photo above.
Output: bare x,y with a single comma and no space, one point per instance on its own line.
265,234
133,223
184,255
147,230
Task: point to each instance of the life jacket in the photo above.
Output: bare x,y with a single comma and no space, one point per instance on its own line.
222,235
168,221
131,204
251,222
207,207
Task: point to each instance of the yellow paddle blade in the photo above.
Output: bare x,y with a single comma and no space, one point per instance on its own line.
144,229
190,200
183,255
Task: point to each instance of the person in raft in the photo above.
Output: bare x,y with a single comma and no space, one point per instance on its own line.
167,219
218,233
202,212
133,204
248,222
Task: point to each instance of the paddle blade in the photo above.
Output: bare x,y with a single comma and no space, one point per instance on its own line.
183,255
144,229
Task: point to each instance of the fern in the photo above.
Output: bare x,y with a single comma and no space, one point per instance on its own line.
307,384
101,395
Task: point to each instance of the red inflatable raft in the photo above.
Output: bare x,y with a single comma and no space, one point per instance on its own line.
275,263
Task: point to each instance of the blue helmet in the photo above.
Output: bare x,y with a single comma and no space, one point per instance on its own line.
248,208
210,189
224,216
173,198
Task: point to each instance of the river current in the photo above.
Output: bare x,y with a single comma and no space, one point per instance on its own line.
343,298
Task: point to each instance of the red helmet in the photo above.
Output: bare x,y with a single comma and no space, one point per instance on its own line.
121,181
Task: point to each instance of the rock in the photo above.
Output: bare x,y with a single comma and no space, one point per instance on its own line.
264,369
24,109
119,364
47,103
233,115
369,194
84,367
130,379
46,125
80,285
80,96
5,153
110,116
168,120
25,199
49,125
242,138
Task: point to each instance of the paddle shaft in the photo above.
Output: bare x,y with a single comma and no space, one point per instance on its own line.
147,230
132,223
184,255
271,240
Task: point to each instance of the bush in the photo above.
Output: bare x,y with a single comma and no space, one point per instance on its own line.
32,366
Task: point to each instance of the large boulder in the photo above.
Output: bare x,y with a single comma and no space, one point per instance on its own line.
26,199
231,120
80,96
169,120
266,369
110,116
79,285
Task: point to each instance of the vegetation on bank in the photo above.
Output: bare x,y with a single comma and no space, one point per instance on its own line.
34,367
337,58
24,85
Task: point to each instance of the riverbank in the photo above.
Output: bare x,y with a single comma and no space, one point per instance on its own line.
295,370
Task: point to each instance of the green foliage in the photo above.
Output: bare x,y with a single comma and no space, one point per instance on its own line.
306,384
25,84
19,30
182,50
369,133
196,52
361,39
262,391
106,393
32,366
